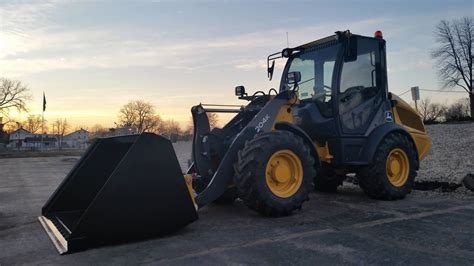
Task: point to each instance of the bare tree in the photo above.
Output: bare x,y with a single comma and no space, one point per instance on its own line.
60,127
140,115
213,122
33,123
213,119
127,115
171,129
430,112
11,126
97,131
4,123
458,111
188,131
189,127
13,94
454,54
153,124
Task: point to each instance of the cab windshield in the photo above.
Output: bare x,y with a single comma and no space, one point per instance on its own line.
316,66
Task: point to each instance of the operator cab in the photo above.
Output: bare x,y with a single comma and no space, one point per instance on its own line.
341,84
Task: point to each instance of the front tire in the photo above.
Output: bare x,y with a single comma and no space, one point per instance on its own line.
391,174
273,173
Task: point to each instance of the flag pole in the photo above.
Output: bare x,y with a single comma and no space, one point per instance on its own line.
42,122
42,130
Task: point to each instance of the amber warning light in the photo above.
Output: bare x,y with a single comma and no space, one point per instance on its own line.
378,34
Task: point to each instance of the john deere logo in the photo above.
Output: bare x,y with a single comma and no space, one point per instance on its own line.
388,116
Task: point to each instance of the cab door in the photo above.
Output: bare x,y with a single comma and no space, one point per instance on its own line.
318,68
361,90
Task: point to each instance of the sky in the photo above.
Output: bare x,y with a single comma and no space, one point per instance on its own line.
92,57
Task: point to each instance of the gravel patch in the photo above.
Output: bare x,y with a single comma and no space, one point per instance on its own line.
183,151
451,157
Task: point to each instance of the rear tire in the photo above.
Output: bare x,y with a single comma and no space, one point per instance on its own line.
251,173
379,181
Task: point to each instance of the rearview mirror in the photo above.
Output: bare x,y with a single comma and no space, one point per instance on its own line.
351,49
293,77
270,70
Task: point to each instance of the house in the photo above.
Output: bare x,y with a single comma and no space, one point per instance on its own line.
17,138
25,140
34,142
76,140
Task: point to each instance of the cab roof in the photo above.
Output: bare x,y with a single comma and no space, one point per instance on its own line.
333,38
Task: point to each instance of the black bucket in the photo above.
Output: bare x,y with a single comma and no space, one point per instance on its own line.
123,188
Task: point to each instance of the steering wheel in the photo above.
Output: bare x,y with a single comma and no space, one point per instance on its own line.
327,91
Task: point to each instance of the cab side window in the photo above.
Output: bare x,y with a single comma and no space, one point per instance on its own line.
359,86
316,66
304,65
359,73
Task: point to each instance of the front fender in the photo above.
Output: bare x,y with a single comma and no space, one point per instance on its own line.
299,132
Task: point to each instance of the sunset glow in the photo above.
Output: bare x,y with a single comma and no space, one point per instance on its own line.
178,54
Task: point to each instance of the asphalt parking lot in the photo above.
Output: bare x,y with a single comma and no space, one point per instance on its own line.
342,228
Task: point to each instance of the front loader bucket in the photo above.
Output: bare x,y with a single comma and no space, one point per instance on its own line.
122,188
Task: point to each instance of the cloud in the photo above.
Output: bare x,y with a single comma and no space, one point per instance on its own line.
16,22
250,64
32,44
408,60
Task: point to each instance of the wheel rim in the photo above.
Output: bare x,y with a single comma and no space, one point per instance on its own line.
398,167
284,173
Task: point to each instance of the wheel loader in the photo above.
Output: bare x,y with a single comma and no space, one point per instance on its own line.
331,116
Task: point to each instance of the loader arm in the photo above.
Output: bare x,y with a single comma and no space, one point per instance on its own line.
210,146
201,148
262,122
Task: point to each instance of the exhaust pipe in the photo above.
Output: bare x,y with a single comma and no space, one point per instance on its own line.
123,188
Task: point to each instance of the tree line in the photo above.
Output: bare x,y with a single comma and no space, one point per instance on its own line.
138,115
141,116
36,125
432,112
14,95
